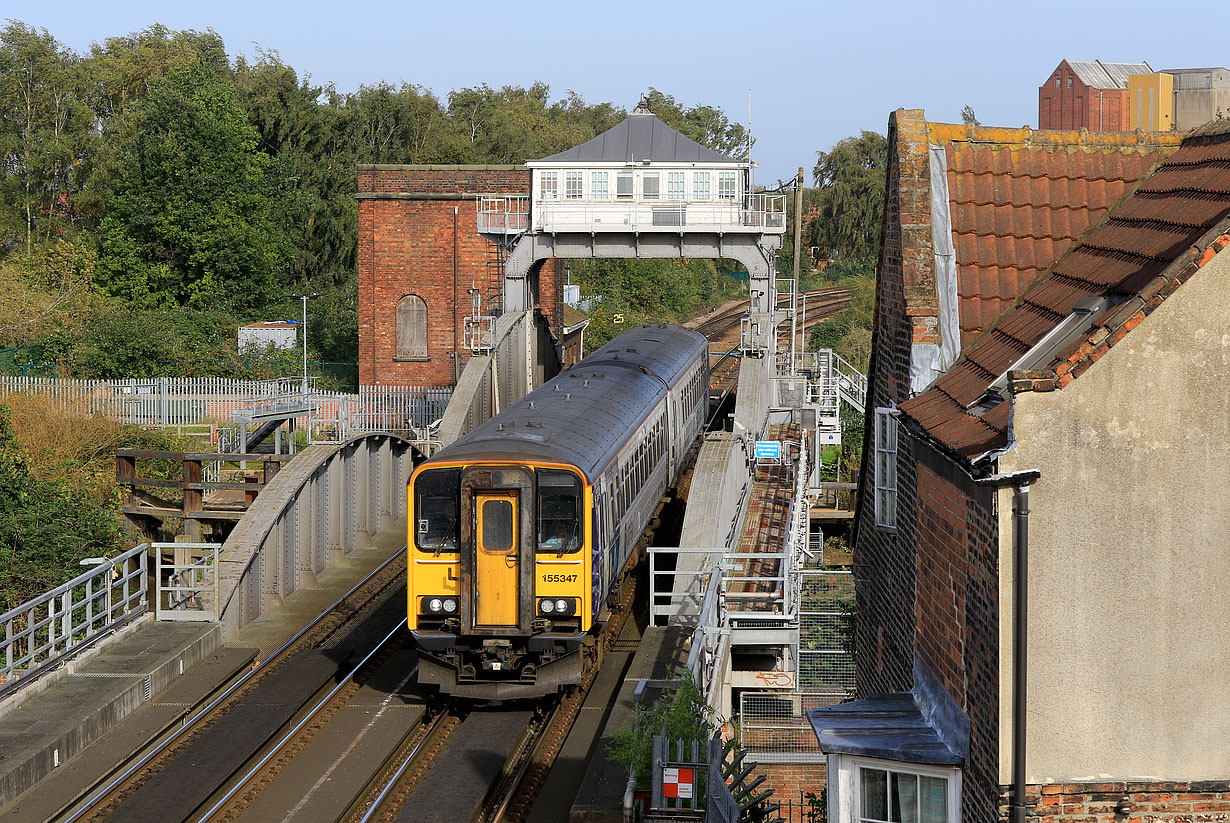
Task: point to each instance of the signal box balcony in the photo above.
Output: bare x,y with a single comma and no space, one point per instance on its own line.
749,213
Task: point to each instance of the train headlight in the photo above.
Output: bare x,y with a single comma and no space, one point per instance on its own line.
559,606
439,605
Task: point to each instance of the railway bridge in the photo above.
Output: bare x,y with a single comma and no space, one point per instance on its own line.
141,646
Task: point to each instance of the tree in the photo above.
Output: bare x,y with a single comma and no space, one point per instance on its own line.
968,117
850,199
45,132
190,216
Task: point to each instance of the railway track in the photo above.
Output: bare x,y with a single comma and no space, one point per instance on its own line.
190,775
822,302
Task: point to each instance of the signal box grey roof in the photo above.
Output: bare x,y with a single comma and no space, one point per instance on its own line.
639,137
585,415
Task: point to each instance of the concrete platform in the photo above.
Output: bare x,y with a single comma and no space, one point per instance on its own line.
63,735
662,652
80,705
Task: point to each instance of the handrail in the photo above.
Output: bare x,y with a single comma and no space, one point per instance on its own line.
48,628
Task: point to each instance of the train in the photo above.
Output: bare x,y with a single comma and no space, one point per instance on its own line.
520,530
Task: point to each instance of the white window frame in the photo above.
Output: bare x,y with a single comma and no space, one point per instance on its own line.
728,185
884,467
599,188
548,185
845,790
676,185
657,186
574,184
700,185
620,177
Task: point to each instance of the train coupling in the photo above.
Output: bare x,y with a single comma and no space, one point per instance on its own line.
498,656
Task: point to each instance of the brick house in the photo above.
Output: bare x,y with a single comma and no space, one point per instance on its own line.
1087,95
420,262
1023,550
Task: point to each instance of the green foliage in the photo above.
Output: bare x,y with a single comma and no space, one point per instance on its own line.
706,125
850,199
849,331
45,527
190,218
680,715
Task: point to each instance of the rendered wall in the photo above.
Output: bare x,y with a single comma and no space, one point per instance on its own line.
1199,106
1129,567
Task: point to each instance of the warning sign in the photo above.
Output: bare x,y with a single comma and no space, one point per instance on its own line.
677,783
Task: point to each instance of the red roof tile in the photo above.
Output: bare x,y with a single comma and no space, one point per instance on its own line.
1149,234
1016,208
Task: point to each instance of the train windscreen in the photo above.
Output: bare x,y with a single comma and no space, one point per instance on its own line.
436,498
559,511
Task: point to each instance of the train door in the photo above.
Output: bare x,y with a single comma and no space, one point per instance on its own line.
497,558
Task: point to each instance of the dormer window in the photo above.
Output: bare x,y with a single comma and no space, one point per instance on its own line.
573,184
649,185
549,185
623,184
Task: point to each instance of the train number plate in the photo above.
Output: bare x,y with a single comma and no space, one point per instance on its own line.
559,578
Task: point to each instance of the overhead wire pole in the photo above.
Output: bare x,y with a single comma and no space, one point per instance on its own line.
794,287
303,335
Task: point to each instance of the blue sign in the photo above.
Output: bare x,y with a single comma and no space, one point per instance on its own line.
768,450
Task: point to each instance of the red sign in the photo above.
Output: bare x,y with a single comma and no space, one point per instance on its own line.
677,783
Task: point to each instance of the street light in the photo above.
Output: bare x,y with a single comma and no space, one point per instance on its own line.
305,298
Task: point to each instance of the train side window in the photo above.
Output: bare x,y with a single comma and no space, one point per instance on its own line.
559,511
436,505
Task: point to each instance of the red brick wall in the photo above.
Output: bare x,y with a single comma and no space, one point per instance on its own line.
1154,802
417,235
883,567
790,782
1078,107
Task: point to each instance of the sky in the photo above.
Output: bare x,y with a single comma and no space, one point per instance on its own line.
816,71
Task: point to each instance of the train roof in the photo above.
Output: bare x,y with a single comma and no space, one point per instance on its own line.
582,417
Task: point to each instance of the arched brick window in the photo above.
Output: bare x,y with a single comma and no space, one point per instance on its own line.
411,327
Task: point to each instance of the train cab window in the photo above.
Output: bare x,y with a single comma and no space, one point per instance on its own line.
436,495
559,512
497,518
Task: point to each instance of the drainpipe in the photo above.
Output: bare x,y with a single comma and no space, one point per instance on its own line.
1020,636
456,358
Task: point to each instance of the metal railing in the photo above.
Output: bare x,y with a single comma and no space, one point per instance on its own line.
187,581
831,380
512,214
44,630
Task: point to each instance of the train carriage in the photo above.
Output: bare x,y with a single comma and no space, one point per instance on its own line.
520,530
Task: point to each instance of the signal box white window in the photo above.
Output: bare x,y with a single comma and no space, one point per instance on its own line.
865,790
548,183
598,185
675,185
886,468
623,183
700,185
572,184
728,184
649,185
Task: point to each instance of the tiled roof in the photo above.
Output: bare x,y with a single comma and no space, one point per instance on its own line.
1101,75
639,137
1019,198
1136,257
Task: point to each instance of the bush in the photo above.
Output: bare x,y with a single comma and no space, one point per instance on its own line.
680,715
46,527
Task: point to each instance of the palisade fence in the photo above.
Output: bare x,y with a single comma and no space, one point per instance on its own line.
179,401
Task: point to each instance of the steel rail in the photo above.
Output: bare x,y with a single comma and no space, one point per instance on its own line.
294,731
378,801
205,712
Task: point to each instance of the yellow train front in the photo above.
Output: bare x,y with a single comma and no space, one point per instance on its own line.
520,530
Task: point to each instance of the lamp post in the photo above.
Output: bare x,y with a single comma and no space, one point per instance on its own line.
305,298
